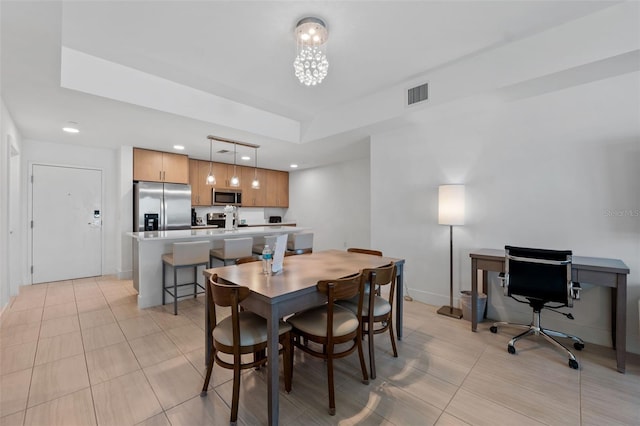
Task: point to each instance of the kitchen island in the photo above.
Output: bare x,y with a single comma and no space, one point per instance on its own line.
148,248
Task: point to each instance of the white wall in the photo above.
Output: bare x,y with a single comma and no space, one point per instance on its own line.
333,201
75,155
10,231
559,170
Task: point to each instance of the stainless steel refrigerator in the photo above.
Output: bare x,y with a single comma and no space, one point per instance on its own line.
161,206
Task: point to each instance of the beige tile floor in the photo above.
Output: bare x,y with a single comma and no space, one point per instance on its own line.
81,353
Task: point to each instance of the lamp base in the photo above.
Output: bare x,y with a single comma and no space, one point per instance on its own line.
450,311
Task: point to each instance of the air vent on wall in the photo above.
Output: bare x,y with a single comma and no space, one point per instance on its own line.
418,94
224,151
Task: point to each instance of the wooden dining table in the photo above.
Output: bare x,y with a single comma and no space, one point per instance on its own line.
292,290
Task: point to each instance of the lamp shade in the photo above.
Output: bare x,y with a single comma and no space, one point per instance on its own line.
451,205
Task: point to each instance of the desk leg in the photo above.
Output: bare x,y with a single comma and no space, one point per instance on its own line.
619,321
474,294
399,298
273,360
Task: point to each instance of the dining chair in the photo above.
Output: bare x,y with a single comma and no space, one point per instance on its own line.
331,325
297,242
377,312
246,259
364,251
242,332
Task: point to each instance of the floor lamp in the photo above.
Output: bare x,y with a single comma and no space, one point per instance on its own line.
451,212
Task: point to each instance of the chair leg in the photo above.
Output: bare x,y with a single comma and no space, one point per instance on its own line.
163,283
208,376
175,291
363,366
372,349
195,281
548,336
393,339
332,395
235,398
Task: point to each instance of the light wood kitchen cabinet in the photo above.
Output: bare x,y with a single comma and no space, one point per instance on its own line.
201,194
253,197
157,166
224,173
277,188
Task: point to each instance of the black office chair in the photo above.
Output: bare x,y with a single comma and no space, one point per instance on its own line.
541,277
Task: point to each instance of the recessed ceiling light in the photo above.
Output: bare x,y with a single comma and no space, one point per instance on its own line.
293,166
245,158
178,147
71,127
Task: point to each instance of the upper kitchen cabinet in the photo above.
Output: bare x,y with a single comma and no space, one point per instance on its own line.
223,173
253,197
201,194
156,166
277,188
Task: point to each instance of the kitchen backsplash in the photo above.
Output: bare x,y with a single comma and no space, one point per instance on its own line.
251,215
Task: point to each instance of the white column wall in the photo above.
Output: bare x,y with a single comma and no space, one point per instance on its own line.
333,201
10,230
560,170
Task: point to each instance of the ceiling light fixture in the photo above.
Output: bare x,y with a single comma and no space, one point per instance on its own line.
256,183
211,179
235,181
294,166
179,147
311,64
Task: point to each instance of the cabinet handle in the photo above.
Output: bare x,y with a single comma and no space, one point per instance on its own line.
160,177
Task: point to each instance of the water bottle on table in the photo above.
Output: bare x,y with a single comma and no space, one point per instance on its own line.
267,260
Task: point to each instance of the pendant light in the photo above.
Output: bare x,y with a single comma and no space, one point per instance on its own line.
256,183
211,179
235,181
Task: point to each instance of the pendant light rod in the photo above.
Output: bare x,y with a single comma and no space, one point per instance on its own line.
219,139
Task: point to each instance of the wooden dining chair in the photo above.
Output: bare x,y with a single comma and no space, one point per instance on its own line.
242,332
330,325
364,251
377,312
246,259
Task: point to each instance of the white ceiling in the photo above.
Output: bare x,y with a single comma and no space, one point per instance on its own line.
243,52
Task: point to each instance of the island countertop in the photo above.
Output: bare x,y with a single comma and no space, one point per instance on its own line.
214,233
148,248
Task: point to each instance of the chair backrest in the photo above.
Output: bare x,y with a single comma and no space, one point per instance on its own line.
539,274
247,259
341,289
225,295
190,253
384,275
237,247
364,251
300,241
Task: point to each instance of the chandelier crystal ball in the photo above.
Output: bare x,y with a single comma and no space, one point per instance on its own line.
311,64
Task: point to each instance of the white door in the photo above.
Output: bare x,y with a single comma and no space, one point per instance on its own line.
67,223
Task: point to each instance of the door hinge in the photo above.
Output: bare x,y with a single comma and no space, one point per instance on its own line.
31,269
31,224
31,178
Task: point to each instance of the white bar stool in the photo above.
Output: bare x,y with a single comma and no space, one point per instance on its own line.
185,255
232,249
260,242
301,242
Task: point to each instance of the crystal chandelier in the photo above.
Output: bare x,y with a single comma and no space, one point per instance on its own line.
311,64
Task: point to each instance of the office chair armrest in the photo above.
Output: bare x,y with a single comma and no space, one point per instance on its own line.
503,283
575,290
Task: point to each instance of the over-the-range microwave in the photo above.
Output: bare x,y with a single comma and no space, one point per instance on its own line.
226,197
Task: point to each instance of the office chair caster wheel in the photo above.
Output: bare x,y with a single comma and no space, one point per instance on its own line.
573,364
511,349
578,346
493,329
